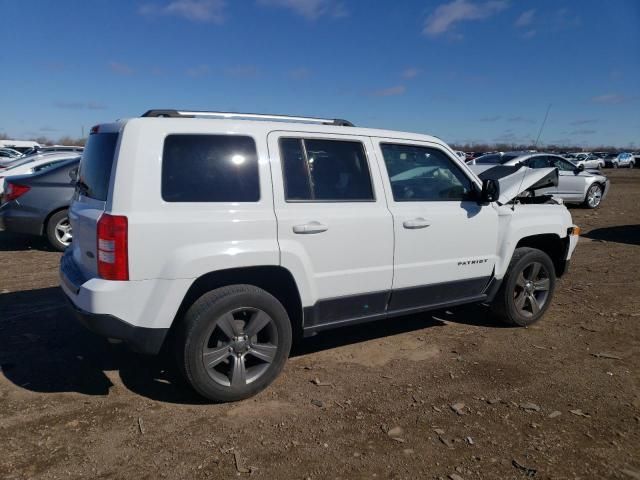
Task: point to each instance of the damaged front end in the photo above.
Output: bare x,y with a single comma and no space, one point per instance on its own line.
519,184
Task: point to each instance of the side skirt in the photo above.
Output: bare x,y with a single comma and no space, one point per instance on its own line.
355,309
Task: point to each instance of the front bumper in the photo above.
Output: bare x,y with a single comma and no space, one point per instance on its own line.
607,185
139,313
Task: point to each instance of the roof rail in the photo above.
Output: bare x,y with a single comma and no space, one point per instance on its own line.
251,116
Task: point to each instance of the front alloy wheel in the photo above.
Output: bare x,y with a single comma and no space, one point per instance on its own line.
527,288
532,289
594,196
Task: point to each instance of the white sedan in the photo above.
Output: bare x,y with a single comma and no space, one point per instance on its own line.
589,161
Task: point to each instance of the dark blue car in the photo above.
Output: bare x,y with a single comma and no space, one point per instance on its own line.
37,204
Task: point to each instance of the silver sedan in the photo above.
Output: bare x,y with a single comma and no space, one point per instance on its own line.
575,184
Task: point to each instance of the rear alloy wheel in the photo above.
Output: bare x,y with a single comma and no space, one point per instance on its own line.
594,196
527,289
233,342
58,230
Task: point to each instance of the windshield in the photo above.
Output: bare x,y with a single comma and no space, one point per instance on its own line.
495,159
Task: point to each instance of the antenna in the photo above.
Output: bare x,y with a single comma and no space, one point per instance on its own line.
535,145
542,126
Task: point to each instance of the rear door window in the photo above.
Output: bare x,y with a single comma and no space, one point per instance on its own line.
96,164
210,168
325,170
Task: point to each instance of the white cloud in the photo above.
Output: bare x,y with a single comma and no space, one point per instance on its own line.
611,99
446,15
410,72
199,71
242,71
310,9
205,11
530,33
120,68
391,91
526,18
300,73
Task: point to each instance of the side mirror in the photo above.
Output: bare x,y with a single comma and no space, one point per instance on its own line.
490,190
580,168
73,175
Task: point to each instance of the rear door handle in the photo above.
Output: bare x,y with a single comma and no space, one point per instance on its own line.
311,227
415,223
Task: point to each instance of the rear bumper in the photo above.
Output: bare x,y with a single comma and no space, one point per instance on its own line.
139,339
17,221
139,313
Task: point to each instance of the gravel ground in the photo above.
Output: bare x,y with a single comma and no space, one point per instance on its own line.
447,395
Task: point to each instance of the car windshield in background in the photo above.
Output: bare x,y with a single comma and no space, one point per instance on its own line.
95,167
495,159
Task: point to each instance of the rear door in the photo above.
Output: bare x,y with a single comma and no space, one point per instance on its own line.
445,242
334,228
92,190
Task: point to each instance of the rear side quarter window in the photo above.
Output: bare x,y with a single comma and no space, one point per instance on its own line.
210,168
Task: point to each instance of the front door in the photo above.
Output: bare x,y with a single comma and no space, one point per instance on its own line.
445,242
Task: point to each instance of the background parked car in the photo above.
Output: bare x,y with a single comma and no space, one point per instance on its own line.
19,145
54,148
36,157
37,204
575,184
590,160
36,165
9,153
616,160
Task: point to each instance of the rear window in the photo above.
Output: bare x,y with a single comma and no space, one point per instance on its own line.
210,168
96,163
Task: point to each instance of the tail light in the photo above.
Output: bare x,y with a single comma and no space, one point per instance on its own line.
14,191
113,254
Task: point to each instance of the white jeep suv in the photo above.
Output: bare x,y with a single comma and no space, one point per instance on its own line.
223,236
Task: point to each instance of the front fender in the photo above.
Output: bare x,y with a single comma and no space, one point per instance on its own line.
526,220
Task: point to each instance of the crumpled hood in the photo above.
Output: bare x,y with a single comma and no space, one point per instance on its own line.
514,180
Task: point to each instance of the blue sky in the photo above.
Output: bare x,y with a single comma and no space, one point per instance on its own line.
464,70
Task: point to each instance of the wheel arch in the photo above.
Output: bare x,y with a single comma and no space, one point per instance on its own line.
43,227
274,279
551,244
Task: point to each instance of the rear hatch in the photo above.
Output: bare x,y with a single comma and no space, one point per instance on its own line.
92,192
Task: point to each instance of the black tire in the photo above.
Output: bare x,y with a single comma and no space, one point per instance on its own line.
504,305
593,190
203,330
632,164
53,224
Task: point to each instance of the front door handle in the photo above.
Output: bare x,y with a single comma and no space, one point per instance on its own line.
311,227
415,223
